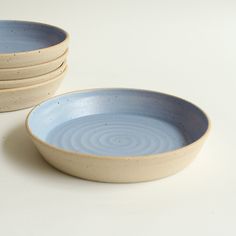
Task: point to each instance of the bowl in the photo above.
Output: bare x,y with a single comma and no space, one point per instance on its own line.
32,71
25,43
25,97
7,84
118,135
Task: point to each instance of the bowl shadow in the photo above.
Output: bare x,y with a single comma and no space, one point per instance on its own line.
24,156
22,153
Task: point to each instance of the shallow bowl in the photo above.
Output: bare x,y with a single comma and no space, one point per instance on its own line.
24,43
32,71
7,84
118,135
24,97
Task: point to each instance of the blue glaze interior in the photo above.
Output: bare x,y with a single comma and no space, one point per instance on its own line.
21,36
118,122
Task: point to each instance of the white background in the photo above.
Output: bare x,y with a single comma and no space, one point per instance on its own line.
185,48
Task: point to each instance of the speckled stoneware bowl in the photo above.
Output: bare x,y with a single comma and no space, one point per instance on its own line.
7,84
32,71
118,135
25,43
24,97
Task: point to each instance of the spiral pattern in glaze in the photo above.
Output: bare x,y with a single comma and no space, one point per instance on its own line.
117,135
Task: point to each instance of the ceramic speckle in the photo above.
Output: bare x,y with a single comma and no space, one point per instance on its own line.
29,43
118,135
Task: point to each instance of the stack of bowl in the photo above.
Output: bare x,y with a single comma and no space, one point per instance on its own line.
32,63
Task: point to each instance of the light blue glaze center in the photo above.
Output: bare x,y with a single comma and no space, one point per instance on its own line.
117,135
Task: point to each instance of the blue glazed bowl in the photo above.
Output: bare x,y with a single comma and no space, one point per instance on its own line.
25,43
118,135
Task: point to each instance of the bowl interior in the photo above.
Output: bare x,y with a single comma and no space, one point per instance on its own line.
20,36
117,122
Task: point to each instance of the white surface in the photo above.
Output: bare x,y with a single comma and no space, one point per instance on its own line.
185,48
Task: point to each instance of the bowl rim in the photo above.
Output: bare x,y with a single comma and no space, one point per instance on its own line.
22,53
2,91
62,67
99,157
64,55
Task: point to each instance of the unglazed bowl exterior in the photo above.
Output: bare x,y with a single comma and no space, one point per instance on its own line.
25,97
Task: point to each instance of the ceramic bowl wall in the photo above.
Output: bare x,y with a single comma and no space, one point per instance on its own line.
7,84
24,97
32,71
118,135
29,43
